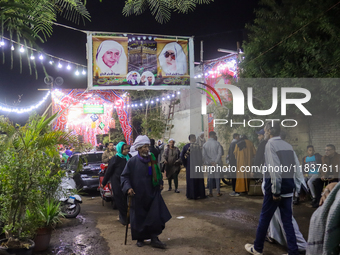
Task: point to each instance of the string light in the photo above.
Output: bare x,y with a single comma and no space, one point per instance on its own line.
38,54
117,106
77,72
83,72
60,65
68,67
24,109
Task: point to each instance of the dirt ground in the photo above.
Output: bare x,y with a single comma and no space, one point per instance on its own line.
217,225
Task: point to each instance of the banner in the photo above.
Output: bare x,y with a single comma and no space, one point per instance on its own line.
130,61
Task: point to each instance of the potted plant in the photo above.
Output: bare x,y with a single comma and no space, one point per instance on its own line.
28,161
49,215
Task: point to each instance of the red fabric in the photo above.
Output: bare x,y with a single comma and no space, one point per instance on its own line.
68,103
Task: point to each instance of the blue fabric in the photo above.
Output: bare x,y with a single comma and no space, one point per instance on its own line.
313,168
268,209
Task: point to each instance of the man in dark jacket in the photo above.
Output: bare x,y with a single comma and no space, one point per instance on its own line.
153,149
279,186
331,161
232,162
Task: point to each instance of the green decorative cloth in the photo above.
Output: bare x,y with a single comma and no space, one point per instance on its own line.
119,148
156,172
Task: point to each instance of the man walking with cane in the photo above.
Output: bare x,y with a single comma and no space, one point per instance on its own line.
142,180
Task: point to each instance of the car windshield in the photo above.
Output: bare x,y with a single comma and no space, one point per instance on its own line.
94,158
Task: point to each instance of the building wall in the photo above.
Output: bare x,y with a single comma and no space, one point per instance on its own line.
325,130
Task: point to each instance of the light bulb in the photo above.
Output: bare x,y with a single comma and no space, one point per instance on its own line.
2,43
163,98
178,92
157,99
12,47
77,72
173,95
22,49
83,72
138,38
146,102
68,67
168,96
41,57
151,102
141,104
32,57
51,62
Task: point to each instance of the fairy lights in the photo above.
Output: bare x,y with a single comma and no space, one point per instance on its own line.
56,94
24,109
35,54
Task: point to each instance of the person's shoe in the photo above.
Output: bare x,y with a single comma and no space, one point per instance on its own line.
210,195
315,205
169,189
234,194
269,239
250,248
313,201
157,244
177,191
296,201
219,194
140,243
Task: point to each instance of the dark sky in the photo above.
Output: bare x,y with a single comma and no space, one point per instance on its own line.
219,24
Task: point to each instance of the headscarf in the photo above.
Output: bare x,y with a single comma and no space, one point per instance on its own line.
65,157
119,148
148,74
181,59
120,67
140,141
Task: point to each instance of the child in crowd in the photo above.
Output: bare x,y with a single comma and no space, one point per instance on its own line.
310,166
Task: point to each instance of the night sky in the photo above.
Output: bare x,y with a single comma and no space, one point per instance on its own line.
220,25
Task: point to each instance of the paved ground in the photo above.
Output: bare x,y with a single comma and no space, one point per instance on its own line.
218,225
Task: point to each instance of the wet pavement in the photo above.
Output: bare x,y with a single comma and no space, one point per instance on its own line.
217,225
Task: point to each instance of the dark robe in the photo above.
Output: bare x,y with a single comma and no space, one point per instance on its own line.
195,186
113,172
148,212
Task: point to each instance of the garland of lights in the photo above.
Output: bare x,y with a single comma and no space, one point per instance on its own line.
41,56
24,109
131,105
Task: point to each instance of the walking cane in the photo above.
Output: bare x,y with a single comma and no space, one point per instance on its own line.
127,219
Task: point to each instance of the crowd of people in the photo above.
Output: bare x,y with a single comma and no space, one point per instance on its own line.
136,173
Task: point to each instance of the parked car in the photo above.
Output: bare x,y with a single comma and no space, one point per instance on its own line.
87,177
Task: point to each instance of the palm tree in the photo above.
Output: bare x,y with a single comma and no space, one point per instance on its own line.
161,9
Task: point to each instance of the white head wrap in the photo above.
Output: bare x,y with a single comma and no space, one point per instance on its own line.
171,139
140,141
120,66
148,74
181,59
133,151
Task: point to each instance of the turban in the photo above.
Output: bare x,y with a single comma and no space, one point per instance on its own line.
171,139
140,141
133,151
